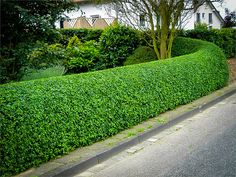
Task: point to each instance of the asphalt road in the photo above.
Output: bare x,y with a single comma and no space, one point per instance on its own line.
201,146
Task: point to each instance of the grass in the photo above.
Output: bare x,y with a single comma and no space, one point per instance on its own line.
130,134
44,73
161,120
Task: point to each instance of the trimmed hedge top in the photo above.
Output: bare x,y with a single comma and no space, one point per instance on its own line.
82,33
224,38
45,118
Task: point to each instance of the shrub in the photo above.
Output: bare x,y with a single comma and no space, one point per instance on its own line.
117,43
74,42
42,119
224,38
82,57
45,56
83,34
141,55
200,26
51,36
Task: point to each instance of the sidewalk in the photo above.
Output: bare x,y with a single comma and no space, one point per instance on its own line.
86,157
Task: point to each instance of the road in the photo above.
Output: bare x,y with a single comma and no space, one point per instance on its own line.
201,146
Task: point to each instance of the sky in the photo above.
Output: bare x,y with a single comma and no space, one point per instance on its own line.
230,4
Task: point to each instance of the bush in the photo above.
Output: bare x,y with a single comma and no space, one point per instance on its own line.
141,55
83,34
44,56
82,57
117,43
224,38
51,36
200,26
73,42
42,119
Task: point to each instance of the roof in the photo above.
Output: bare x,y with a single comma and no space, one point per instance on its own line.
217,13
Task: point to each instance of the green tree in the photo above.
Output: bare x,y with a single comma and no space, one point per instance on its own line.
161,18
30,19
230,19
23,22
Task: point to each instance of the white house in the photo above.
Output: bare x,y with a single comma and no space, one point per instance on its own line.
91,15
207,14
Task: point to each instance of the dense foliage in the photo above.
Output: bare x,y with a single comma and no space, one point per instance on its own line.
117,43
230,19
93,50
23,23
44,55
29,20
141,55
82,57
45,118
224,38
83,34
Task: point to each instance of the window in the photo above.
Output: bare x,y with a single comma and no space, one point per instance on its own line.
142,20
94,17
210,18
198,18
203,15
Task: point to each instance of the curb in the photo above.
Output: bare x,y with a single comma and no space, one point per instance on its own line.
102,156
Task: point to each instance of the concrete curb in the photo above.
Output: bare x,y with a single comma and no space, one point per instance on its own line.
102,156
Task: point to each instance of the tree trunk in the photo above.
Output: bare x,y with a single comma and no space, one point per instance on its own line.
164,29
171,39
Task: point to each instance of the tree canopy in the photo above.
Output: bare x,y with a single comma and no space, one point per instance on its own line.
27,19
230,19
162,18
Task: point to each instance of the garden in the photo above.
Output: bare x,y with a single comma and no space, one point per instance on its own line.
64,89
82,86
72,51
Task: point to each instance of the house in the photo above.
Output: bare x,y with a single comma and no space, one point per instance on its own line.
205,14
92,15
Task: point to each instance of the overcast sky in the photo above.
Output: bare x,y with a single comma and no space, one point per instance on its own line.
230,4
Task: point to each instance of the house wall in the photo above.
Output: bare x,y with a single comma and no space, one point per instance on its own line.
88,10
107,11
206,9
91,16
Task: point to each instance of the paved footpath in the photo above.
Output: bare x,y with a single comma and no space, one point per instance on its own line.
201,146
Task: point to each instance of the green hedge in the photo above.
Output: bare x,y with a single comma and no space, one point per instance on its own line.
42,119
224,38
117,43
83,34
